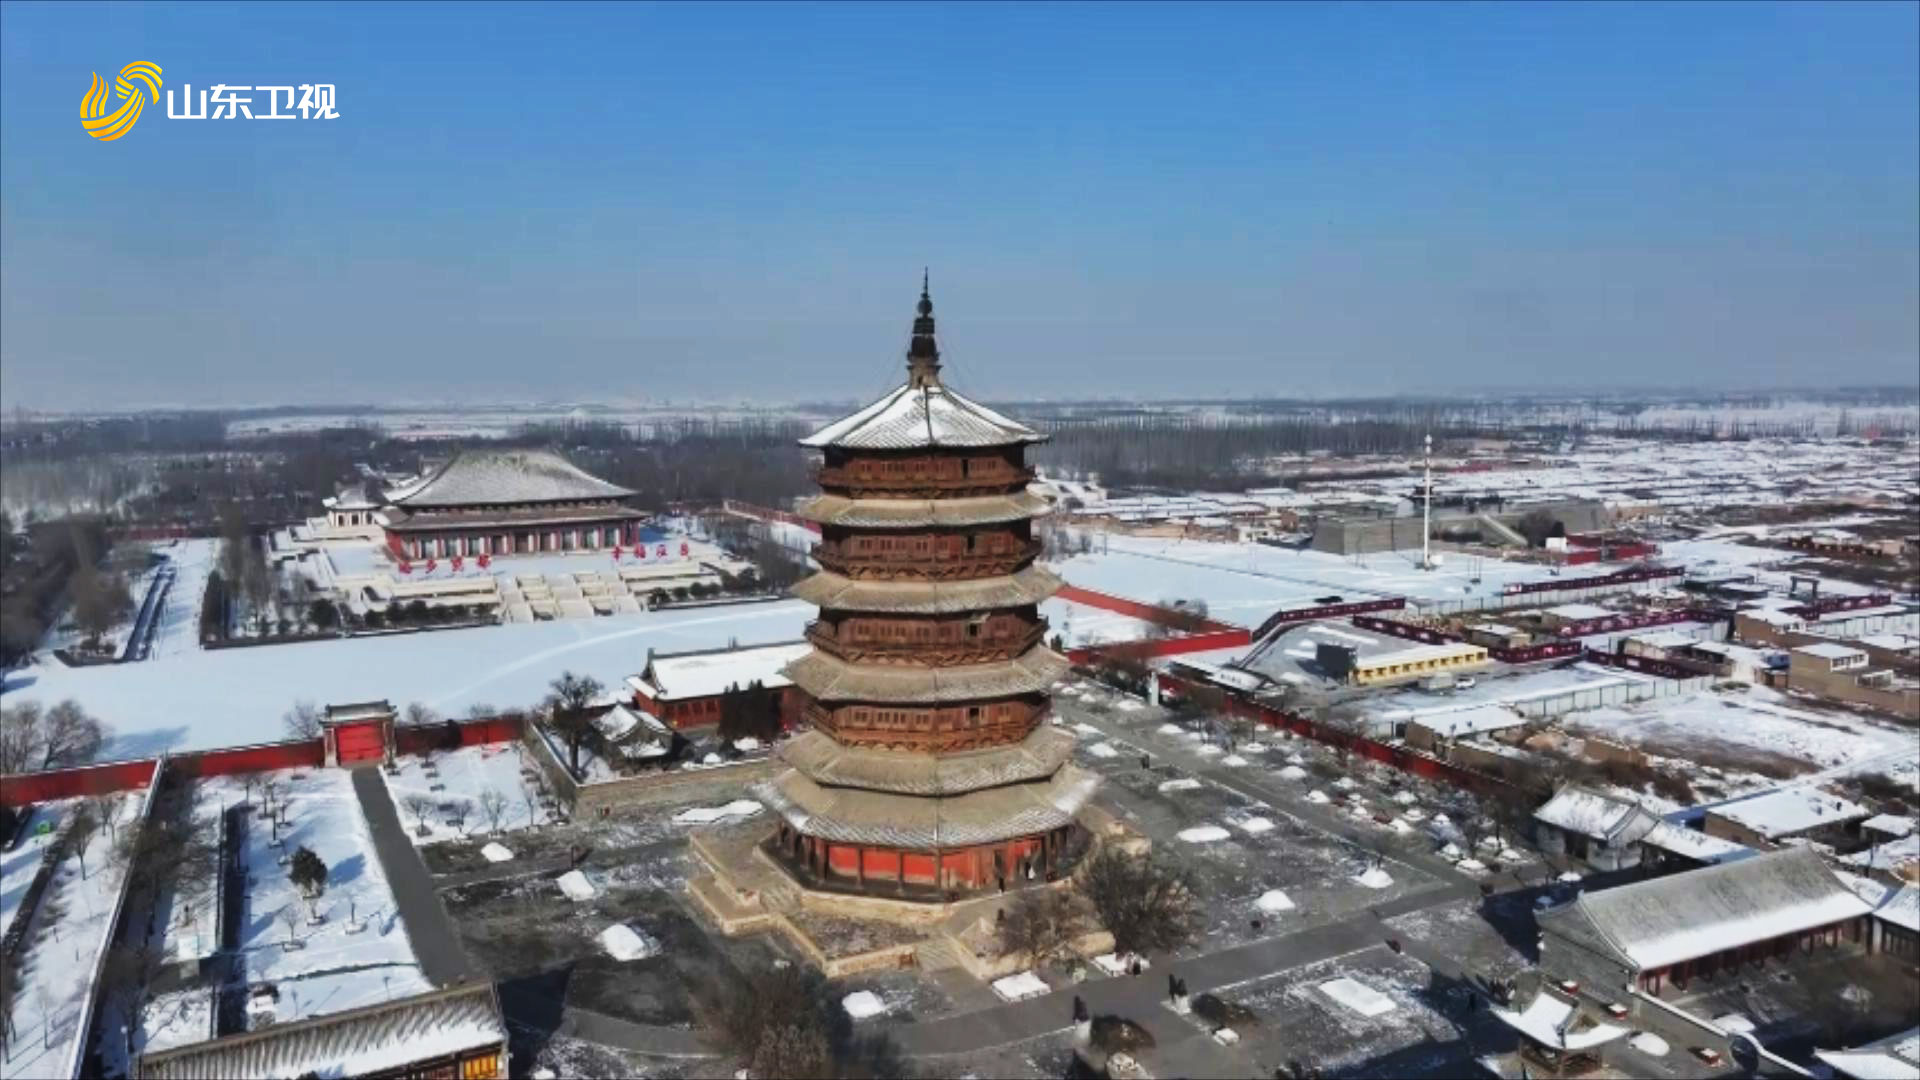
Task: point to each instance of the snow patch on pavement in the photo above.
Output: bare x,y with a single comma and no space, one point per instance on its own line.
1204,834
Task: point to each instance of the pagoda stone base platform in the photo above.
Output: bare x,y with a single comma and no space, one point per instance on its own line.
744,890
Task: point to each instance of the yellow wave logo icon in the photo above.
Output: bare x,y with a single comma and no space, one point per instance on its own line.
109,126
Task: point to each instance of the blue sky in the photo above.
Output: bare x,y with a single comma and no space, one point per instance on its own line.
734,203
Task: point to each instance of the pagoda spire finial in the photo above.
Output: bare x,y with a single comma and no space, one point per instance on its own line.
923,354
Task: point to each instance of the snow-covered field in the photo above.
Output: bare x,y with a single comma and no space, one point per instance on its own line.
334,968
67,935
234,697
1244,583
1760,719
1081,625
463,775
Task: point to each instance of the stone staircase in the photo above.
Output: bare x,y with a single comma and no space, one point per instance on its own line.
937,953
778,894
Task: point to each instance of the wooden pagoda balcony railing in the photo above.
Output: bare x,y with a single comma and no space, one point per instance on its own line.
925,566
921,484
944,652
923,736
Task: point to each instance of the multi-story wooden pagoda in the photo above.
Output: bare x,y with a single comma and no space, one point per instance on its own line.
930,768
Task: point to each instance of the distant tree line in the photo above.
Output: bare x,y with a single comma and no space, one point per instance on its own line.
39,569
1186,452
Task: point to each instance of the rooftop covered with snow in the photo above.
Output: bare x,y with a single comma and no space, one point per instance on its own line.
1787,811
1668,920
370,1040
707,672
1592,814
503,477
1556,1022
1896,1057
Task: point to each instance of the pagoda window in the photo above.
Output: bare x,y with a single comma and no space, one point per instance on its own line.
973,716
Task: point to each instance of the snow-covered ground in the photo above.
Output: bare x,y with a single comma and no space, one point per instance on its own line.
1244,583
68,933
1760,719
464,774
178,622
234,697
178,629
334,968
1082,625
17,867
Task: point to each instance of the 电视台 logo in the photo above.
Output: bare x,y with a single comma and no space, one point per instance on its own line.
307,101
93,108
315,102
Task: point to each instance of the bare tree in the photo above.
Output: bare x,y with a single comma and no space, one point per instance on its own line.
105,809
494,806
420,714
1144,901
23,737
775,1020
72,736
129,973
81,825
290,916
257,581
302,720
792,1048
568,713
418,805
9,994
1042,925
165,851
100,601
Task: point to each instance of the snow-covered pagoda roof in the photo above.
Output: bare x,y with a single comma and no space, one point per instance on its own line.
1667,920
916,417
502,477
829,678
923,413
826,762
1029,585
854,816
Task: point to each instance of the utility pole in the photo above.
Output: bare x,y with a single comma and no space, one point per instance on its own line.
1426,517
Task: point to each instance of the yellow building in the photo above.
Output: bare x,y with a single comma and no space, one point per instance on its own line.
1417,663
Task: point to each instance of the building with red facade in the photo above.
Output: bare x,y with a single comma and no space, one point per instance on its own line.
930,767
686,689
507,502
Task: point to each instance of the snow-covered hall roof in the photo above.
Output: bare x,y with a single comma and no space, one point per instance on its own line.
708,672
1590,813
501,477
1667,920
918,417
356,1042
